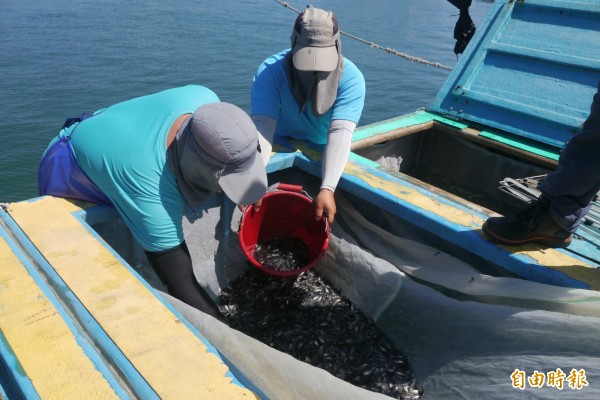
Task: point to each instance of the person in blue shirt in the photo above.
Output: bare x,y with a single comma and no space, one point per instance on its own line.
151,156
567,193
311,92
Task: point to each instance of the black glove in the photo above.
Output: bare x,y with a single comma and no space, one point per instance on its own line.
464,28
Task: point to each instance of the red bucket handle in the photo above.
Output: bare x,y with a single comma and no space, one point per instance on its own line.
289,187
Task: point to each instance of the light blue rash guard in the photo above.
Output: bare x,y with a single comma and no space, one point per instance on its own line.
271,96
122,149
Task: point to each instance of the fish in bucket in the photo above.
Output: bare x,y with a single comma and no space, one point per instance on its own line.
283,238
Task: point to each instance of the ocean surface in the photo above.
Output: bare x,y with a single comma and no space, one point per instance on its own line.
59,58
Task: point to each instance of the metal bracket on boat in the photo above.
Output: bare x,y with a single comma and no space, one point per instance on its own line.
5,207
454,115
524,189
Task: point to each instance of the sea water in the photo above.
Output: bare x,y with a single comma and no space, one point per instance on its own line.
59,58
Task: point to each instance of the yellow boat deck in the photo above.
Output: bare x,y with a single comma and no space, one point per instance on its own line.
76,322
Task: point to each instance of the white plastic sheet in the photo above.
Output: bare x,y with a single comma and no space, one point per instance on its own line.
467,335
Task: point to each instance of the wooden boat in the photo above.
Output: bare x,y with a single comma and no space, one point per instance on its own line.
80,319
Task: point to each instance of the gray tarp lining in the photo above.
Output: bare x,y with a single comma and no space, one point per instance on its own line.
458,349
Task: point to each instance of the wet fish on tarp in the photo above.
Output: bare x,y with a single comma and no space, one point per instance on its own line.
282,253
308,319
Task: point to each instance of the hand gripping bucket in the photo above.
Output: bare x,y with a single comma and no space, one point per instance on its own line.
285,213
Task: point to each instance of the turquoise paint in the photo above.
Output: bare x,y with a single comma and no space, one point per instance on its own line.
355,158
521,145
405,121
447,121
391,124
280,161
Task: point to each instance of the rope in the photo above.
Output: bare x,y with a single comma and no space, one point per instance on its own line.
375,45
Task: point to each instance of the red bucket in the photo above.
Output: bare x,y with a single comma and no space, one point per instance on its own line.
285,213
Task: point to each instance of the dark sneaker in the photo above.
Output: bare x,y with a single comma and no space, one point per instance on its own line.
532,224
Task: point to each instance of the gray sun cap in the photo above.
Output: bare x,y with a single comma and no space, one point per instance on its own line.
228,144
315,41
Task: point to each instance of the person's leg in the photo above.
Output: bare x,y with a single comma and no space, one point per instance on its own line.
571,188
566,197
174,268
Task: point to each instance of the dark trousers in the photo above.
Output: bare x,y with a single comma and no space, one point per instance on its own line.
573,185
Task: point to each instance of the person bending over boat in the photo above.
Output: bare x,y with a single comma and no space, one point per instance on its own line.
567,193
311,92
150,157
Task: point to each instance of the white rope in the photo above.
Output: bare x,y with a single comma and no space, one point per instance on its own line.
375,45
